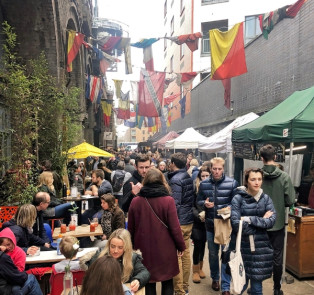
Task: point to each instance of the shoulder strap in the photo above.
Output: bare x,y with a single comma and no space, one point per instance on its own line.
155,213
239,236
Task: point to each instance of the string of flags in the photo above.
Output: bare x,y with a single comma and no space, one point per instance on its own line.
227,61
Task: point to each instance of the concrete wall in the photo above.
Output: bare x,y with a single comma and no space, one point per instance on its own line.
276,68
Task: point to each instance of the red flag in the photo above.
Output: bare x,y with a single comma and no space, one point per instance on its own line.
151,88
227,85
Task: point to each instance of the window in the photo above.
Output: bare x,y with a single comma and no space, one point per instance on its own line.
252,28
172,26
222,25
165,9
171,64
165,43
181,51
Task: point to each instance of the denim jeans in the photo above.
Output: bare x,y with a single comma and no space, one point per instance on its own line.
256,287
213,258
31,287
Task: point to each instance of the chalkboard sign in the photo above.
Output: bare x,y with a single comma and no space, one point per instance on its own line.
250,151
244,150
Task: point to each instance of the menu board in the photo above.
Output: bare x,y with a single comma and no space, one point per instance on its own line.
250,151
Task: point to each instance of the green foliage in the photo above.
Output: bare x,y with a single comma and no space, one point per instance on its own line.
44,116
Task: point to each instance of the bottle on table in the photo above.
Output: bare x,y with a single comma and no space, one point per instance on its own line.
58,244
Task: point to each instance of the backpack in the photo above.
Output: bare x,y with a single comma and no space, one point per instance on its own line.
117,181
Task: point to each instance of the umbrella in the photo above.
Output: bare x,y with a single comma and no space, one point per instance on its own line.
85,150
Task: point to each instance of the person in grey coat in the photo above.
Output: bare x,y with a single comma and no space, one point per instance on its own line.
258,214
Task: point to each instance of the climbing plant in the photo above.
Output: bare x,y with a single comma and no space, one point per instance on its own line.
44,119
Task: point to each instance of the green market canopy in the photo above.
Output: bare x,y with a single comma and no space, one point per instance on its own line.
290,121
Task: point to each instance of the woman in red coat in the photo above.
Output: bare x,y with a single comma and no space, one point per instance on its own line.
155,230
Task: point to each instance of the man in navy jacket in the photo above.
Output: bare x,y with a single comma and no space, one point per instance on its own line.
216,193
183,193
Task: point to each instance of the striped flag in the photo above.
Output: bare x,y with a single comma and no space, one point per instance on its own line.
75,41
227,53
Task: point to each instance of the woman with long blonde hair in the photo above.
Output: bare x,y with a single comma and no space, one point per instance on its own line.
119,246
22,227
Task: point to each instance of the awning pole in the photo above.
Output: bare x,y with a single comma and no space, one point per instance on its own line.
284,276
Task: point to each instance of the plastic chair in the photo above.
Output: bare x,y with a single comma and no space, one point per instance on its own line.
6,213
49,234
53,222
56,280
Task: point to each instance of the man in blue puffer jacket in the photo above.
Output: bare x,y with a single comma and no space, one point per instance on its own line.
216,193
183,193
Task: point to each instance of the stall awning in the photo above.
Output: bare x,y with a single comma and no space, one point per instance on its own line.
290,121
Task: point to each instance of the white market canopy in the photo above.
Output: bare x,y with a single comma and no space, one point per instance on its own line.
220,142
189,139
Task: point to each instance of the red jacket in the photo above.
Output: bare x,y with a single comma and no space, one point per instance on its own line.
17,255
158,244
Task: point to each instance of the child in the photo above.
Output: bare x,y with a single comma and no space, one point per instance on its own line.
8,246
68,247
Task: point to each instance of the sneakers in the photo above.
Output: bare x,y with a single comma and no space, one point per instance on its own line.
186,292
215,285
278,292
225,293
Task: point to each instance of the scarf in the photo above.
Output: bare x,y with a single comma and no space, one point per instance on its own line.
106,223
153,190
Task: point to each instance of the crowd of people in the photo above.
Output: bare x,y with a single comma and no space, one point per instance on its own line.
150,208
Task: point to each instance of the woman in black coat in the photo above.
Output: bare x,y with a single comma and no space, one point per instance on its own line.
258,214
199,231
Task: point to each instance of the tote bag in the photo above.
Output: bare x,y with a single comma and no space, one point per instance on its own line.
237,266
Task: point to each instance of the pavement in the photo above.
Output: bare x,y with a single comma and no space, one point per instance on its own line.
298,287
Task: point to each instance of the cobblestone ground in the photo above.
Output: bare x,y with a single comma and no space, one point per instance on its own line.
304,287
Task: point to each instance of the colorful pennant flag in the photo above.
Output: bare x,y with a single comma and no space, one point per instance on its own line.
182,102
93,86
132,121
185,79
124,106
227,53
107,108
151,88
118,86
270,19
191,40
75,41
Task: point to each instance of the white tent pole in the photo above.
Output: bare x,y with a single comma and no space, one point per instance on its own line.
287,217
230,164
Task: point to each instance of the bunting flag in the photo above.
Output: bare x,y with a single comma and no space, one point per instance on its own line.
151,88
191,40
75,41
169,118
127,60
105,60
107,108
132,121
269,20
227,85
169,99
108,43
118,86
146,44
185,79
124,106
134,91
227,53
182,102
93,86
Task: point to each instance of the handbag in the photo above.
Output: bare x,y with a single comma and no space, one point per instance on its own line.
237,266
155,213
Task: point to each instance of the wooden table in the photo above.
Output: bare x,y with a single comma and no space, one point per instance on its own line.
79,232
51,256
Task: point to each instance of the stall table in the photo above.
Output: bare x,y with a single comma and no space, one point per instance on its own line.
79,232
51,256
300,243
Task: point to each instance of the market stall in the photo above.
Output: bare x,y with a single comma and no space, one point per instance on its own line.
291,122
